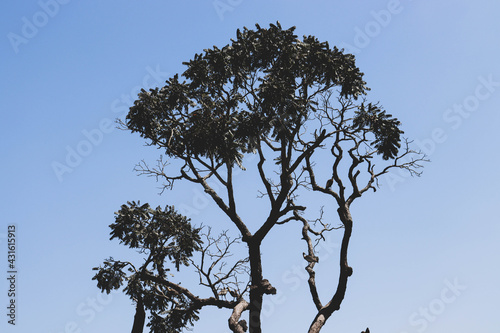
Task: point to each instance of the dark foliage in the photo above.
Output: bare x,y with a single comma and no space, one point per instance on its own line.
383,126
162,234
231,96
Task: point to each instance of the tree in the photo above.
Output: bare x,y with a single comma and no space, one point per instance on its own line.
282,99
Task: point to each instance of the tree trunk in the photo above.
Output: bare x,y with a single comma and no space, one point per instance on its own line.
140,316
345,271
256,292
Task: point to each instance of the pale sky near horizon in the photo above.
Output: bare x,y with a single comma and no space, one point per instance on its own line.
424,250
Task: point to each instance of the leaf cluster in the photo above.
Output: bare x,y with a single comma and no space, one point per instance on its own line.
383,126
233,96
162,232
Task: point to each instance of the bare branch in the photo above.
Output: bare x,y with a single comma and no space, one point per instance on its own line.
157,172
312,177
220,278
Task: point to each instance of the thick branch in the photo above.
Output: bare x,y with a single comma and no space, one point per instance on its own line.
245,233
235,324
139,317
263,178
198,302
286,184
311,261
230,190
345,271
327,189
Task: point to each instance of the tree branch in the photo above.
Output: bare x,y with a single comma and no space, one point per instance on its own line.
345,271
235,324
245,233
263,178
198,302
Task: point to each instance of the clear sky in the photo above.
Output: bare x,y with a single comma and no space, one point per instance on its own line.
424,250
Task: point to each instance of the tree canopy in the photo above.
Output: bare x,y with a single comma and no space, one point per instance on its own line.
281,98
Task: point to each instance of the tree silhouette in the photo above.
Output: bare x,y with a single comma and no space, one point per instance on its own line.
296,102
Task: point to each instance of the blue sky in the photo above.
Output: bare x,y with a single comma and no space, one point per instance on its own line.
424,250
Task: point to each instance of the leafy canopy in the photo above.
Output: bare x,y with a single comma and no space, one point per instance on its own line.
162,234
256,86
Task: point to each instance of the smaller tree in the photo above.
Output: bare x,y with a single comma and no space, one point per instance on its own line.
163,236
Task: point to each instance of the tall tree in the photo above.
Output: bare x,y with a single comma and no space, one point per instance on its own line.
296,102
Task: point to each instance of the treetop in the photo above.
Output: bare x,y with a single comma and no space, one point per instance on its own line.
259,84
